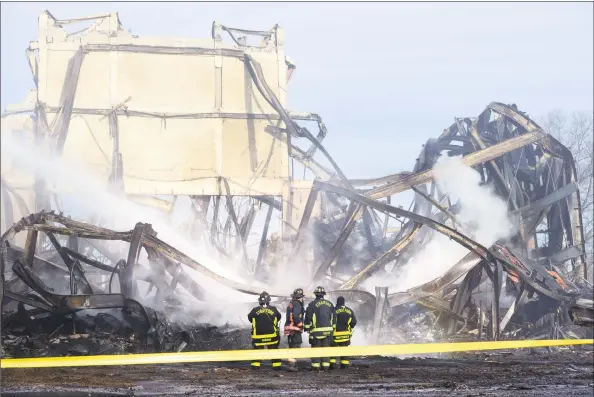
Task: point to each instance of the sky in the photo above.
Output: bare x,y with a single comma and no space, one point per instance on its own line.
385,77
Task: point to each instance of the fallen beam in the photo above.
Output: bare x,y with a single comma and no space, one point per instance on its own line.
479,157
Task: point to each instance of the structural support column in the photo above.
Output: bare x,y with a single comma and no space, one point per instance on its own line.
307,211
127,277
264,238
497,280
516,306
30,247
355,211
381,296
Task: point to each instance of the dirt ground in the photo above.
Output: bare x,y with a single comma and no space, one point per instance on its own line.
535,372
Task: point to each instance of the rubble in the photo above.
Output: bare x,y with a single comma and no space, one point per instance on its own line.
339,227
104,333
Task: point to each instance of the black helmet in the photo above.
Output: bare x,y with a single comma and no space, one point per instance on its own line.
319,291
298,293
340,301
264,298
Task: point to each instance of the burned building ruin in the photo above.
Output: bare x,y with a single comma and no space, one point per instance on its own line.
206,119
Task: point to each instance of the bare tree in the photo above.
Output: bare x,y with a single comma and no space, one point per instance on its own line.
576,132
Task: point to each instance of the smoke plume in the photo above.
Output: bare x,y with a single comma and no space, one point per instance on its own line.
483,216
89,197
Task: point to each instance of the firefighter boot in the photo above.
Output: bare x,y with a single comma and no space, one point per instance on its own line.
333,364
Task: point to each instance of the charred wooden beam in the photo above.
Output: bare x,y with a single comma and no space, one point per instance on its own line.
381,295
127,279
304,223
233,217
515,307
264,238
383,259
90,261
463,293
497,283
472,159
77,276
30,246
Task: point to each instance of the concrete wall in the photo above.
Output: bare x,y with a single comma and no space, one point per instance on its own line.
185,120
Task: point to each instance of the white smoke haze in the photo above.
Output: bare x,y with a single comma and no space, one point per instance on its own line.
293,273
483,216
89,197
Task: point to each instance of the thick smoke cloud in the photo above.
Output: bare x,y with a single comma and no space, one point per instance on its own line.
483,216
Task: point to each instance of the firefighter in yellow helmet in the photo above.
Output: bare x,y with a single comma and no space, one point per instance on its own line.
265,328
319,322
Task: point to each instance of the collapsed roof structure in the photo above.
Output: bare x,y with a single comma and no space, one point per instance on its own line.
207,119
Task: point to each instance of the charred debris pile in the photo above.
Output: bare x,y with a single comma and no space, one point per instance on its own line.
65,292
62,300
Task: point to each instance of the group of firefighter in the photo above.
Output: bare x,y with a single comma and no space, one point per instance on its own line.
326,324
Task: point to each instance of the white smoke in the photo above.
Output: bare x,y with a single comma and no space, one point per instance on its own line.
483,217
89,197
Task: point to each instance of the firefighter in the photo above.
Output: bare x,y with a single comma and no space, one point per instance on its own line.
345,322
265,328
319,322
294,324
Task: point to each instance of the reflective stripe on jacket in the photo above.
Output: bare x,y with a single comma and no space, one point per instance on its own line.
265,327
294,317
320,318
345,322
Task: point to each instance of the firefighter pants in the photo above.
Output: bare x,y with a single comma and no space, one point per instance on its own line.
343,361
276,363
294,342
316,361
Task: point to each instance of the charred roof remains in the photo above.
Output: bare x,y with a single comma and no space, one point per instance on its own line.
224,139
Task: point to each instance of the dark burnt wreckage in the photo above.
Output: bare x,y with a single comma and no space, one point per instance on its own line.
60,280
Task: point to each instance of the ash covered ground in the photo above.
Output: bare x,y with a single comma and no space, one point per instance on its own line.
534,372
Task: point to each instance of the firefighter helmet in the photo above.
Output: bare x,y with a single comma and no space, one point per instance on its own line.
320,291
298,293
264,298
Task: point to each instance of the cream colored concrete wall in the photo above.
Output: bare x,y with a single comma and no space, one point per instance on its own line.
168,156
182,156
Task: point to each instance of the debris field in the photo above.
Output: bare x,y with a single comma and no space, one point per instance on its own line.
65,290
534,372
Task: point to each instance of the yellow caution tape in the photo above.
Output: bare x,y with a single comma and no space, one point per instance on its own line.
248,355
